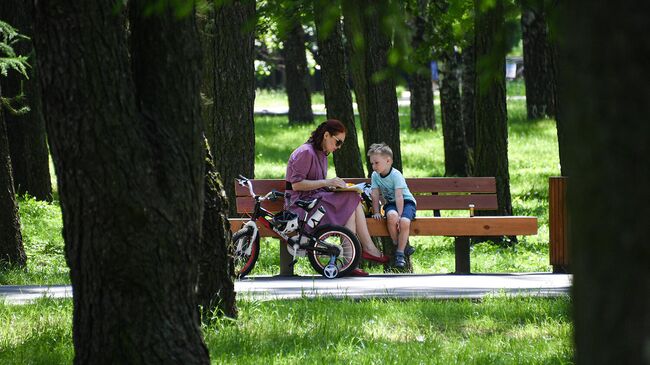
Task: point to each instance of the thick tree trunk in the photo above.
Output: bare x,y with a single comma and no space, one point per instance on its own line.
233,131
298,90
605,100
421,86
352,25
538,73
422,109
130,176
377,99
456,160
216,290
338,98
12,252
380,95
491,153
26,133
468,88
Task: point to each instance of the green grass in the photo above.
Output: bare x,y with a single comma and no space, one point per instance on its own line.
496,330
41,225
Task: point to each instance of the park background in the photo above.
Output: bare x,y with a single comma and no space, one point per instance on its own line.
517,330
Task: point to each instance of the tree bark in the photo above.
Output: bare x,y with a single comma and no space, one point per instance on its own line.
421,84
491,153
126,143
295,61
456,160
468,88
380,95
12,252
538,72
233,93
422,108
338,97
216,290
377,99
604,77
26,133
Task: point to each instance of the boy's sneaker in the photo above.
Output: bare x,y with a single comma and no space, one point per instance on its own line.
409,250
400,261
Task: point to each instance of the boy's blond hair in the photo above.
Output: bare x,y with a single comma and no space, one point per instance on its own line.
381,149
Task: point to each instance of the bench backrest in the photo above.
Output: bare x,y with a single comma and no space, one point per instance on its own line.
431,193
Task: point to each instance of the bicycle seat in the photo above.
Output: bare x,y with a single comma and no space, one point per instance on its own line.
306,204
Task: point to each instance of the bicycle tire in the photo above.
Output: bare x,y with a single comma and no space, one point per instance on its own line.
244,263
348,241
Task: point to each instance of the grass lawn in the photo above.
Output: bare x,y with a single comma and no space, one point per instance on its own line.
496,330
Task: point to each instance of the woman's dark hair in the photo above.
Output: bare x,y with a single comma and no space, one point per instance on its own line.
332,126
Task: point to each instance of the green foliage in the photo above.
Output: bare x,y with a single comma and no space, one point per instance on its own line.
8,58
502,330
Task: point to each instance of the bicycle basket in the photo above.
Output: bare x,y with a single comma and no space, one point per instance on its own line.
285,221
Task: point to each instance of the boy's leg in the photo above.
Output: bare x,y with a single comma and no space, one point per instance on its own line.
392,220
404,227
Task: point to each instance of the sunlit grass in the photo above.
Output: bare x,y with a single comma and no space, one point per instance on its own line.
496,330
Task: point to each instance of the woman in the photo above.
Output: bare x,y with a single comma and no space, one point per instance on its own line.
306,178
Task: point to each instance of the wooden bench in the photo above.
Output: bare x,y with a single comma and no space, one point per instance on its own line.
434,194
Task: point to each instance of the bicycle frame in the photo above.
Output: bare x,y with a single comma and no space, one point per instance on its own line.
261,215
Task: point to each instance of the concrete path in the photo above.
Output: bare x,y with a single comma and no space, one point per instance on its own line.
442,286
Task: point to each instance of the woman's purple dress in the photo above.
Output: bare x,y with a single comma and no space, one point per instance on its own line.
306,163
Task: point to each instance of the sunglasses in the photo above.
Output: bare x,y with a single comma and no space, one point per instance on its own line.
338,141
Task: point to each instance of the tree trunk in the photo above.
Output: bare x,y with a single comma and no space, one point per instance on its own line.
295,61
604,73
352,25
456,161
12,252
216,291
233,94
338,98
421,84
554,52
380,95
491,154
130,176
538,73
468,88
26,133
377,99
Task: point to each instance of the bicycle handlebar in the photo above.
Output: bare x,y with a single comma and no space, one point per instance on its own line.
271,195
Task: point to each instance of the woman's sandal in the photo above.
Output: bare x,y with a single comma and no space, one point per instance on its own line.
380,259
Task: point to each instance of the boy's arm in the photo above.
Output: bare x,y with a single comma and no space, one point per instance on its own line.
374,194
399,201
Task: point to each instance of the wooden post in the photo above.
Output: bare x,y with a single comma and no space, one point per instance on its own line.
286,269
558,224
462,255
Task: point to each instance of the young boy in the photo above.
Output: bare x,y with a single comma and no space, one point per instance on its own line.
399,204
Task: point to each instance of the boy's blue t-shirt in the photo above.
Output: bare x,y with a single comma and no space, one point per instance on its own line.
387,185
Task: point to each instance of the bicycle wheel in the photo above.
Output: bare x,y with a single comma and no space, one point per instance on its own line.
348,243
246,251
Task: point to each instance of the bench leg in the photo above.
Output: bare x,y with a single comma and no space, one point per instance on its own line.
285,260
462,255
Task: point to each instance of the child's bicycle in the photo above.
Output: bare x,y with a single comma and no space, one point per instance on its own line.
333,250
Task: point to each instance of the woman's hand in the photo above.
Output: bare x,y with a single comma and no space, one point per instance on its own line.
377,216
336,182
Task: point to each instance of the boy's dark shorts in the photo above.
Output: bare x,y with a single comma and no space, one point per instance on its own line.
408,212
